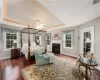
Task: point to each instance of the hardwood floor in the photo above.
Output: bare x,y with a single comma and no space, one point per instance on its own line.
15,65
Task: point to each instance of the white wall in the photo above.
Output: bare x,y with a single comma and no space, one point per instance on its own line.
96,24
0,3
66,51
0,9
71,51
75,51
32,38
3,53
49,47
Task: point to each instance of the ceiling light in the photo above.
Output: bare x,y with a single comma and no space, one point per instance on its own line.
38,25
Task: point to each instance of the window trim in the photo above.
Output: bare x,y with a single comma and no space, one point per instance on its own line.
71,40
48,34
39,39
5,34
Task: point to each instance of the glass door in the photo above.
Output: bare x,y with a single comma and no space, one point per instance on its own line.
87,45
87,40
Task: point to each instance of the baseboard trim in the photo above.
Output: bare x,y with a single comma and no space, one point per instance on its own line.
3,58
70,55
98,67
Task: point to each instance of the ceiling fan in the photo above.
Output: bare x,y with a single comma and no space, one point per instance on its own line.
38,25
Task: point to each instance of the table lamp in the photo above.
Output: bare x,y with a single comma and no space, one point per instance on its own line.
88,42
15,43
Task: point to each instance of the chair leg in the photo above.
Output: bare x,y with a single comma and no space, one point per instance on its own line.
79,68
90,70
76,63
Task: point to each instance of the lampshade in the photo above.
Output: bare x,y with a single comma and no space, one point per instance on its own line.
37,40
15,41
88,40
39,27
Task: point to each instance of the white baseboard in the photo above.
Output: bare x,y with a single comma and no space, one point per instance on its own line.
98,67
70,55
5,58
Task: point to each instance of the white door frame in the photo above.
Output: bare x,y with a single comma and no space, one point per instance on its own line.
91,29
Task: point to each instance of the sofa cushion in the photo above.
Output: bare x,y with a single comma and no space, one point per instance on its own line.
37,53
51,56
46,56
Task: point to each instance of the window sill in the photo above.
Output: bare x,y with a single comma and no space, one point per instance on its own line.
68,47
7,49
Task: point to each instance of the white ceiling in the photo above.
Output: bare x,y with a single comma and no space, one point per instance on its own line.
53,12
0,3
29,11
72,12
0,7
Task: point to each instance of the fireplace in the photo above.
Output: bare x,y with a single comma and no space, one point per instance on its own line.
56,48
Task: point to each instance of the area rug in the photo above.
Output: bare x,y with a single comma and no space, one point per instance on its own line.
61,69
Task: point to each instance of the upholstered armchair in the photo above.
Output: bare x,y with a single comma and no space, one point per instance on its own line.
90,56
42,59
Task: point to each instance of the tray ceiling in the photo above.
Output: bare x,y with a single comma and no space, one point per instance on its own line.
29,11
52,13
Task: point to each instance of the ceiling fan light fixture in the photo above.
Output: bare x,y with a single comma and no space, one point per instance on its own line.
38,25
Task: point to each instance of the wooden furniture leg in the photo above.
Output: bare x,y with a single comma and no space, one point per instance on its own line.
86,73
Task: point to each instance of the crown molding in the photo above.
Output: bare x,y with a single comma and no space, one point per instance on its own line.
17,22
12,21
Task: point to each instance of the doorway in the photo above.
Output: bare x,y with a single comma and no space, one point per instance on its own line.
87,40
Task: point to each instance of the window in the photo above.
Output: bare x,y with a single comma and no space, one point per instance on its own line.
68,39
48,38
10,37
38,40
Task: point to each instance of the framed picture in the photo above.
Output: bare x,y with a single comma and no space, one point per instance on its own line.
56,36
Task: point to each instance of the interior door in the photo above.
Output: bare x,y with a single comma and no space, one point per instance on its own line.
87,47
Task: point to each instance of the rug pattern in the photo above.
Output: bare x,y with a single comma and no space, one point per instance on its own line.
61,69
